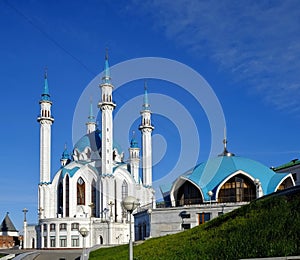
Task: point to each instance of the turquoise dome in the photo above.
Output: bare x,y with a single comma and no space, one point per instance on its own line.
208,176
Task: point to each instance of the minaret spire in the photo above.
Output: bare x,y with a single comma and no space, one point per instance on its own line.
45,120
107,106
91,124
146,129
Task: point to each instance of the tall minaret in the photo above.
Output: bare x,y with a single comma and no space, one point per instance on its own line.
146,129
91,123
107,106
45,119
134,158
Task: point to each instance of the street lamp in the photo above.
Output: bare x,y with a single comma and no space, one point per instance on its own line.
84,233
130,204
210,194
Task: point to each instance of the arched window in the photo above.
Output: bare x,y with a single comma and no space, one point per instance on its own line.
124,190
93,196
287,183
60,199
67,196
188,194
80,192
236,189
124,195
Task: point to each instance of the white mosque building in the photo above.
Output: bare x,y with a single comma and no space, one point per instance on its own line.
88,189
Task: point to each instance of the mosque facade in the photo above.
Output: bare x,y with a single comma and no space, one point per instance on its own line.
89,187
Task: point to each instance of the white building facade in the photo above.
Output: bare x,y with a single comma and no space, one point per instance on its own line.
88,189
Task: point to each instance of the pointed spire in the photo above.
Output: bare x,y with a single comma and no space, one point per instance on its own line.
225,151
91,116
134,142
45,94
106,77
146,102
65,154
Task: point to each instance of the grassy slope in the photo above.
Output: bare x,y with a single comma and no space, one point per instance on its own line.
264,228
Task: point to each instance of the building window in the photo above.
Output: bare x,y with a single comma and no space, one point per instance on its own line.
52,241
75,241
45,227
188,194
63,241
124,195
203,217
236,189
63,226
60,199
80,192
75,226
67,195
52,227
45,241
93,195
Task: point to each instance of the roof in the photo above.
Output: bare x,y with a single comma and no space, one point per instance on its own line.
209,175
287,165
7,225
93,140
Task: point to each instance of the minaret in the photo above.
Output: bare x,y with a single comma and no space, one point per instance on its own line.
146,129
134,158
91,123
65,157
45,119
107,106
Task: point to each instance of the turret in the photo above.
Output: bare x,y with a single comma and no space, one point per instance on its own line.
134,158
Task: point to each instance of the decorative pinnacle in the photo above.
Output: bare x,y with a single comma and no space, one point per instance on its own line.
106,77
146,102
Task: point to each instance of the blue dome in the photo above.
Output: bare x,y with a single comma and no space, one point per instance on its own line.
209,175
134,143
93,140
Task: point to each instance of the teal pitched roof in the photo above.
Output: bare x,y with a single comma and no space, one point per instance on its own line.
7,225
70,171
209,175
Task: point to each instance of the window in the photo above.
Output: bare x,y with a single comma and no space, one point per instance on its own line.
93,196
203,217
236,189
45,227
186,226
45,241
75,241
67,195
80,192
75,226
188,194
63,226
52,227
60,199
52,241
63,241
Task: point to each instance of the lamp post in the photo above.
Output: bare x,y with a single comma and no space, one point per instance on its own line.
84,233
210,194
130,204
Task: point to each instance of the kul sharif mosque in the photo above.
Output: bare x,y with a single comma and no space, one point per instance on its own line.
88,188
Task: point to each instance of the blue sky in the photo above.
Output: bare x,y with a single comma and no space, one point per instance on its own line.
247,51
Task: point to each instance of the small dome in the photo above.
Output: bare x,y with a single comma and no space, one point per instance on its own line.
134,143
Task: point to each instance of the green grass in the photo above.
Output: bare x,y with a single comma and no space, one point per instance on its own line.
268,227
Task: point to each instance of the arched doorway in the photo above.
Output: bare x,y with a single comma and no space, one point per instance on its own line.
237,189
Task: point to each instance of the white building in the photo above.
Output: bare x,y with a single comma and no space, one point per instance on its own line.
88,189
